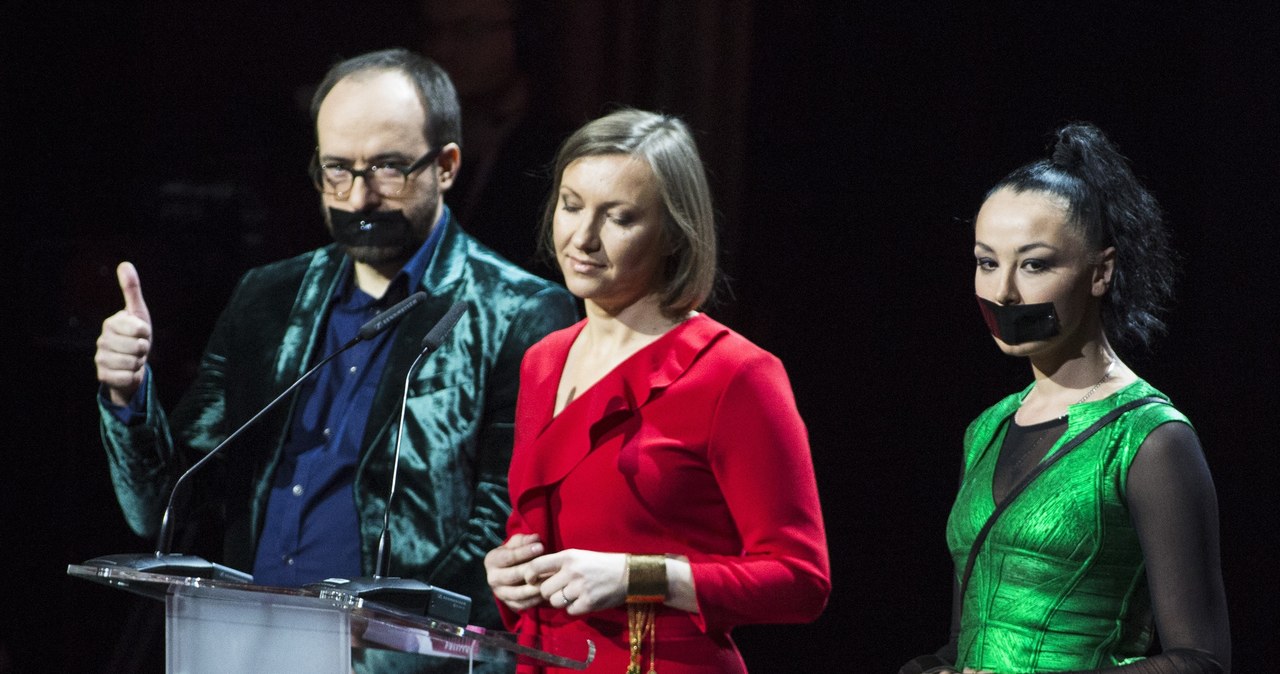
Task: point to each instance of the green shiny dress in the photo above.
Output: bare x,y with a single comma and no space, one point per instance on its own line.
1059,584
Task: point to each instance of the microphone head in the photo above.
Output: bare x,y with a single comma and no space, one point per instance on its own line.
435,337
390,317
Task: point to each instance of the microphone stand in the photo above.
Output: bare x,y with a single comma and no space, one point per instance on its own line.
409,594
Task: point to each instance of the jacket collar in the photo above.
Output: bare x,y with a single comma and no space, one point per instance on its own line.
299,342
560,443
445,281
324,273
449,259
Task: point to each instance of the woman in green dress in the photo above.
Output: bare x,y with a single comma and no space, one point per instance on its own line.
1086,517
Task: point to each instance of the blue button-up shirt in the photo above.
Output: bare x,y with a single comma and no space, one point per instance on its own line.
311,530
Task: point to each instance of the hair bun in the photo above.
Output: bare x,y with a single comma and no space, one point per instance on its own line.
1068,150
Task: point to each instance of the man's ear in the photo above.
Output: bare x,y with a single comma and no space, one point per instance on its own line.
447,165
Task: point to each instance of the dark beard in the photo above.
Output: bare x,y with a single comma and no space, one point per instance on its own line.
378,237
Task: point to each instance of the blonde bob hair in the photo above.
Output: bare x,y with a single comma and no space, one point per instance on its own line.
688,233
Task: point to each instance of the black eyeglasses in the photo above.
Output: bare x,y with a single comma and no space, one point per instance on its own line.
389,179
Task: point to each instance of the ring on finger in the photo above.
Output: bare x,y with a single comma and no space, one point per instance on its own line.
566,598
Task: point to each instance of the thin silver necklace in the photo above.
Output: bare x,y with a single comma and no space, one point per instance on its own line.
1087,394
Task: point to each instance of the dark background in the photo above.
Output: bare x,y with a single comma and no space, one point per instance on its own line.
848,146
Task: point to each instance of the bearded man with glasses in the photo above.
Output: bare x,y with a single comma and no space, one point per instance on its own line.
303,491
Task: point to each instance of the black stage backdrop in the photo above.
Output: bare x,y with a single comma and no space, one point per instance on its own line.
853,145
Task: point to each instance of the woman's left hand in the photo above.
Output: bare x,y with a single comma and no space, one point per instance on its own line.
580,581
505,571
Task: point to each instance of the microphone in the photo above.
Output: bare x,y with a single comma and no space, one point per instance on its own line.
406,593
378,324
163,561
433,340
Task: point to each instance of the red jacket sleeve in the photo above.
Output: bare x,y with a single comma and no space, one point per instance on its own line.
759,453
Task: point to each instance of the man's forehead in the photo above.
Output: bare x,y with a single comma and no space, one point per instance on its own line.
371,109
379,93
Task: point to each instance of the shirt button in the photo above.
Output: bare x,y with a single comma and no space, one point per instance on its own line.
327,432
353,369
297,490
288,561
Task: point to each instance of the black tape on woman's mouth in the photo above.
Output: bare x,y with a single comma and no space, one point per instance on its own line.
1018,323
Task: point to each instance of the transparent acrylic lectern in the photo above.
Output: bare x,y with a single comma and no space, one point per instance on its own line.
216,626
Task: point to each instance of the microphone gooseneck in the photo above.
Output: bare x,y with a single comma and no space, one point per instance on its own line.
433,340
377,325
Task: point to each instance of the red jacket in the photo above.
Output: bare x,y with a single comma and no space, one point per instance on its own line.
692,446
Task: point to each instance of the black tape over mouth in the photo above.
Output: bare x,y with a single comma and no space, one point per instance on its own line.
374,229
1018,323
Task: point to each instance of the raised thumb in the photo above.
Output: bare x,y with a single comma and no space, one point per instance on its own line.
131,287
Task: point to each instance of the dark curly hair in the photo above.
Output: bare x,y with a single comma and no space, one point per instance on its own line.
1110,207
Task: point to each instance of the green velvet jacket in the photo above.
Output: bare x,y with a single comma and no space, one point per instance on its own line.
1060,583
451,504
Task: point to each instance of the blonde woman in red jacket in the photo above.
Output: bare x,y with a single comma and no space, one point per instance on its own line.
662,486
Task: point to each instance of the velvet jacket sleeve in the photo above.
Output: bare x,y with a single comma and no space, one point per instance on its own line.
759,454
140,457
144,459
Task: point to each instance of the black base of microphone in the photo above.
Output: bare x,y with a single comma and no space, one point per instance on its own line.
172,564
406,594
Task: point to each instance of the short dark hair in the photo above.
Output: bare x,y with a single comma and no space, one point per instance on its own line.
435,89
1106,202
688,224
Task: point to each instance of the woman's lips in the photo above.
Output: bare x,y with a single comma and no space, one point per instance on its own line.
584,266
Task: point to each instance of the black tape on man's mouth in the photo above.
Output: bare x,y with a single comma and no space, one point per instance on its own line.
374,229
